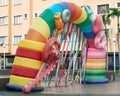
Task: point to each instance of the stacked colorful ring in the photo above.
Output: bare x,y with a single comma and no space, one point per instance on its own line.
95,67
26,65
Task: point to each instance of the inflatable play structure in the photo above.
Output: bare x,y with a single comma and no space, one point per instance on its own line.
40,52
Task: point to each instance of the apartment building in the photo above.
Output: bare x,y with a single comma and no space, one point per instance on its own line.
16,17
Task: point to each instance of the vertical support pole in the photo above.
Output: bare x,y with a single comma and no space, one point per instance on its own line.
114,41
4,47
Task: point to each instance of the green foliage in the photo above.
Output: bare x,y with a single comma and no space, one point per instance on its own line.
112,12
115,12
106,21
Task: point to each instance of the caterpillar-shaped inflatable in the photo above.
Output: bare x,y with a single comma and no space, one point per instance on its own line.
29,54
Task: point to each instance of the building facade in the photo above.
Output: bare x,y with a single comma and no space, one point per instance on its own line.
16,17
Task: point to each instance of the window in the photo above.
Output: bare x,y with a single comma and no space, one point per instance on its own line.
35,15
3,2
118,4
18,19
2,40
102,9
16,2
3,20
9,61
111,60
25,16
17,39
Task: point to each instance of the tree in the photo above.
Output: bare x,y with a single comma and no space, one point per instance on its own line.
115,12
106,21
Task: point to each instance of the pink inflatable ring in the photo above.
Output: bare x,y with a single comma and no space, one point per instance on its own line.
100,40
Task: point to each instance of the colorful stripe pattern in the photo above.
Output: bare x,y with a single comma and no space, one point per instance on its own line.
95,67
28,61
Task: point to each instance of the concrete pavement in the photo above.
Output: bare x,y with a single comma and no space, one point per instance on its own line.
111,88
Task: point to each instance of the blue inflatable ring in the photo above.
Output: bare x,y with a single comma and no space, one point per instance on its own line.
15,87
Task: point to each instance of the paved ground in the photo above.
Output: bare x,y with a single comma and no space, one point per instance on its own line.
110,89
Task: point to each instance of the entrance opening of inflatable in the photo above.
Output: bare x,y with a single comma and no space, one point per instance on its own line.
66,41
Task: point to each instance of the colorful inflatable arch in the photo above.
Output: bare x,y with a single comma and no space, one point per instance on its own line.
29,54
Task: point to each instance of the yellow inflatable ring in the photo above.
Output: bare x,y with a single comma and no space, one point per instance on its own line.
44,30
96,60
33,45
81,18
95,67
21,81
26,62
95,63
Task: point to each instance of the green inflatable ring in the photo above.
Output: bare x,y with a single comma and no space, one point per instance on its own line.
49,18
88,21
95,77
95,72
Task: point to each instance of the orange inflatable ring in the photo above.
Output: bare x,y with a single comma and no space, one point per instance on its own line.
36,37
